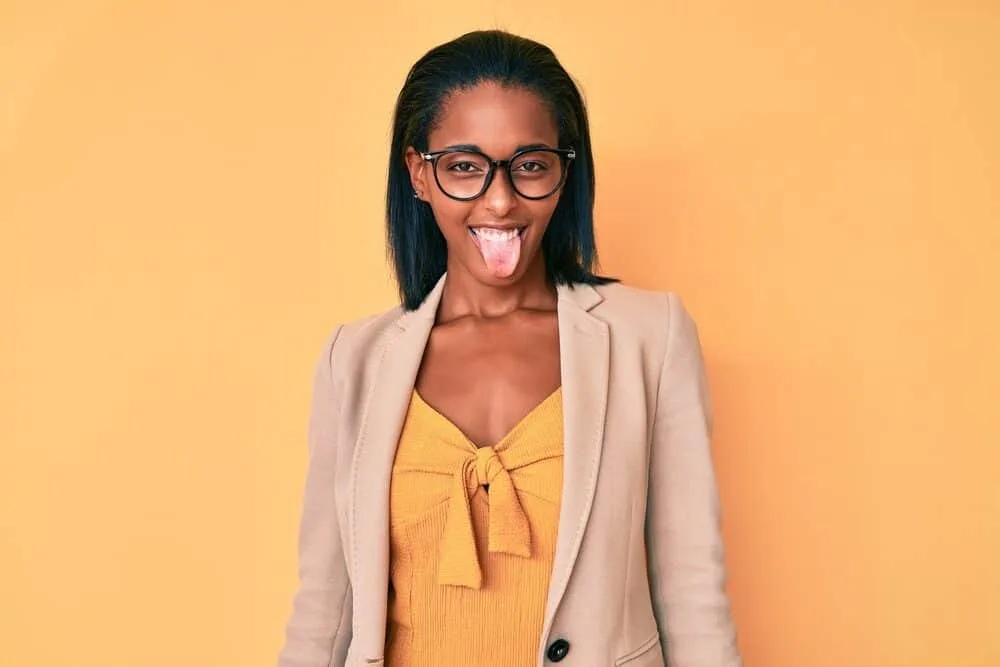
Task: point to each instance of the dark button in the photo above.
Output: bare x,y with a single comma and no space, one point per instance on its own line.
558,650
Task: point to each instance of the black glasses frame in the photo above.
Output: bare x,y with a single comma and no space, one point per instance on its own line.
566,155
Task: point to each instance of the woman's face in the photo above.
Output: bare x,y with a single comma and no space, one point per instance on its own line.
497,237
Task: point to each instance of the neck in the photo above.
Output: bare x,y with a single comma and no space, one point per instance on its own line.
464,296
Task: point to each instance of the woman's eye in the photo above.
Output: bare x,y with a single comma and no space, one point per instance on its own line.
464,167
532,166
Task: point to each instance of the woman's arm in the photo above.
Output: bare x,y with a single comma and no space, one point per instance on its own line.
319,629
683,537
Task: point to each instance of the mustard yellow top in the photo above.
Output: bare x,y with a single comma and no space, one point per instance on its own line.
473,536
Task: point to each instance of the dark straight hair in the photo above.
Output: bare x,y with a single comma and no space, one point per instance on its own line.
416,246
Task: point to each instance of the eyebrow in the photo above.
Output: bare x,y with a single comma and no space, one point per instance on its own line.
477,149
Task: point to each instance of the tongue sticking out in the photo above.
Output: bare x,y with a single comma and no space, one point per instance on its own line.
501,252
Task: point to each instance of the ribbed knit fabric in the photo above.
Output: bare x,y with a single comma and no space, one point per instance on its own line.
473,535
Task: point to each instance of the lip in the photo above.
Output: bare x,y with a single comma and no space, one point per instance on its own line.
475,237
520,229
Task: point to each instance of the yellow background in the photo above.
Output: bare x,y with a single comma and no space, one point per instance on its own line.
191,197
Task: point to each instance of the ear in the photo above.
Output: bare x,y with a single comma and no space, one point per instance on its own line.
419,171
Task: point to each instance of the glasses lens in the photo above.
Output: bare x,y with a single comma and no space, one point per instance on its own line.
462,174
537,173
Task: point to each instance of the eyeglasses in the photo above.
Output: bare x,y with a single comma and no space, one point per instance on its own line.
534,173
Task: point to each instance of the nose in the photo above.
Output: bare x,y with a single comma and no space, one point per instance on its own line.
500,197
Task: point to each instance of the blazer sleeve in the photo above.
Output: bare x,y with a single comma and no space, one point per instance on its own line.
683,533
319,629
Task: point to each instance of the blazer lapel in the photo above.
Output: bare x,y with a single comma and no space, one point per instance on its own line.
584,344
393,380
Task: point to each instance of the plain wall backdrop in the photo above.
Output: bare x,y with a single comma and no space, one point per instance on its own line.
191,197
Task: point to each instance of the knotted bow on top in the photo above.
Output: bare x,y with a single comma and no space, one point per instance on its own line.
525,456
509,531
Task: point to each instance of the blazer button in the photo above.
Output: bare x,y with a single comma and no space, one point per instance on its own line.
557,650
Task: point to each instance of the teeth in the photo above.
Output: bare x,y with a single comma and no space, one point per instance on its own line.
496,234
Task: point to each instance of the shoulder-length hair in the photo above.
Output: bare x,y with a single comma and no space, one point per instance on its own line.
416,246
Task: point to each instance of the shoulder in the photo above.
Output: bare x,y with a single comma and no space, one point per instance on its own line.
652,315
659,325
349,343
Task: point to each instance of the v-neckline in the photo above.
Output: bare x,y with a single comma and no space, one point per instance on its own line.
500,444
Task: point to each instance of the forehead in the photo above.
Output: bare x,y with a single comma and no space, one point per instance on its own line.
498,119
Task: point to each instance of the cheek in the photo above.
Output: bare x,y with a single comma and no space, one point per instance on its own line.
541,211
450,216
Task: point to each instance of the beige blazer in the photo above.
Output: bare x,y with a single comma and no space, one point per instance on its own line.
638,571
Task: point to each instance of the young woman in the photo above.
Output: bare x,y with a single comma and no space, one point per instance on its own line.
511,468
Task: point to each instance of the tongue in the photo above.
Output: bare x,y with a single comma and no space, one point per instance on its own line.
500,255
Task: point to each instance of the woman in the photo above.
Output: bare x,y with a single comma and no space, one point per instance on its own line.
511,468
